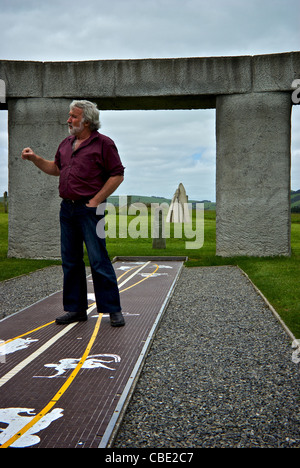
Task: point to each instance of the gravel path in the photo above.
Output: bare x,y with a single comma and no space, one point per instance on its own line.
21,292
219,373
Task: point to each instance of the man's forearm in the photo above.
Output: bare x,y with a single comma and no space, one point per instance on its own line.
49,167
109,187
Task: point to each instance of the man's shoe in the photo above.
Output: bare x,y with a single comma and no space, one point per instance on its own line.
117,319
71,317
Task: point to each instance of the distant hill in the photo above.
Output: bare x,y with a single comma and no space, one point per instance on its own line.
114,199
295,201
208,205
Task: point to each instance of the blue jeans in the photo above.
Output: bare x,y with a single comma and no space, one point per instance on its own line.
78,225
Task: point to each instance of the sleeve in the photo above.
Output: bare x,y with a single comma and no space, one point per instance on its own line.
111,159
57,159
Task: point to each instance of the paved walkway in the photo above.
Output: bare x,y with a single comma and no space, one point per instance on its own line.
64,386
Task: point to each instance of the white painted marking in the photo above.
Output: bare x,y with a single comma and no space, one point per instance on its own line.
34,355
17,418
133,274
92,362
39,351
154,275
55,338
15,345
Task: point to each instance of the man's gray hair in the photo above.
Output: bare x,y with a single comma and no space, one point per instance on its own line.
90,113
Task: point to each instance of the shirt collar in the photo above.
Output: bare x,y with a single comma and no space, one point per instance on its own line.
93,135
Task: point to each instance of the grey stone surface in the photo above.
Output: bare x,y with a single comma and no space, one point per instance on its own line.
253,174
275,72
24,79
182,76
33,195
150,77
252,96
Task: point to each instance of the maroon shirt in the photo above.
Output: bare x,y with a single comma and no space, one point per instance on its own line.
84,172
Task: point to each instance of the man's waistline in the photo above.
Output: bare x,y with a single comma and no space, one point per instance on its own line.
80,201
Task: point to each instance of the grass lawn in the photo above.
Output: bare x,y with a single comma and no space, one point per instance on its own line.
276,277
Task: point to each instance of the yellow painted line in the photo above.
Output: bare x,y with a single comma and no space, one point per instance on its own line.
127,271
21,365
133,274
144,279
61,391
2,343
71,378
27,333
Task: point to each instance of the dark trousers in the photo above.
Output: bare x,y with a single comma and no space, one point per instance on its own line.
78,225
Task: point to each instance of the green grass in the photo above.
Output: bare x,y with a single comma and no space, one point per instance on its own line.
276,277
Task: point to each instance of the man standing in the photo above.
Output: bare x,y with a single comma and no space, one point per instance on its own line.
89,170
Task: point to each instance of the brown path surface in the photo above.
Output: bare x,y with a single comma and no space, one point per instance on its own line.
73,380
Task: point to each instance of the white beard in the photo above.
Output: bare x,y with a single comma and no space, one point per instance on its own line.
76,130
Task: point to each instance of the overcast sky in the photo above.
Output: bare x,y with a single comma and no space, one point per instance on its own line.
160,149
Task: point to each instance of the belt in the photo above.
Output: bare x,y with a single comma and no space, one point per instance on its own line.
77,202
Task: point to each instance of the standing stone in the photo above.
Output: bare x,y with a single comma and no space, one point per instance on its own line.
5,202
253,174
159,238
34,199
178,212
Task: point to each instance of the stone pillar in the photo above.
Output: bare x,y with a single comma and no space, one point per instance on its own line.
253,174
33,195
159,237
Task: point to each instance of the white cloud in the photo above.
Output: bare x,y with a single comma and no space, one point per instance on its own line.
98,29
157,147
